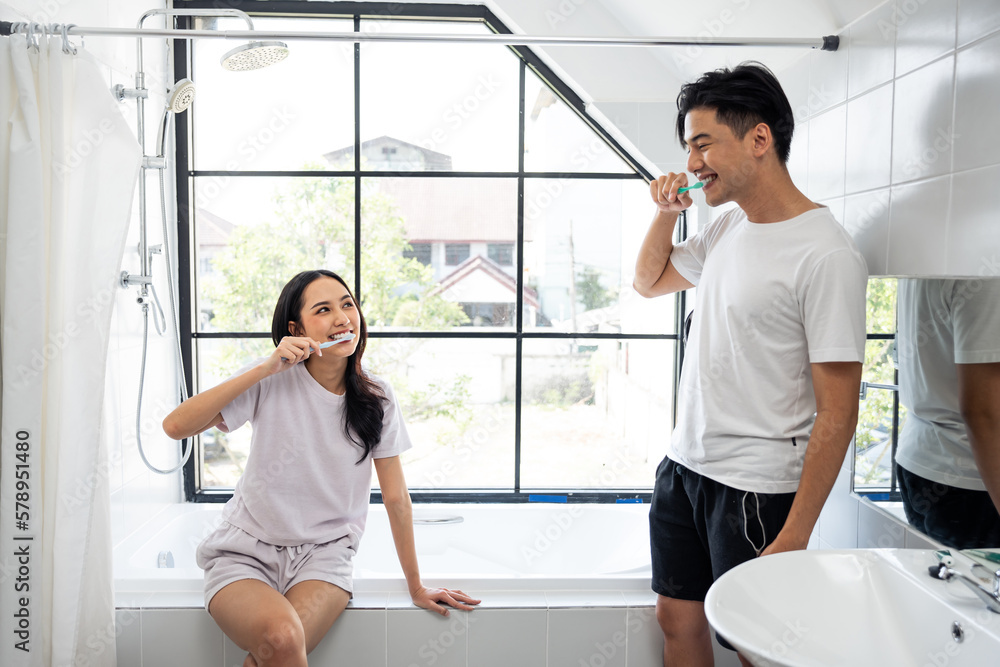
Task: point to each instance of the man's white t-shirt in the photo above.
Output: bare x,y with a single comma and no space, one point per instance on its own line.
941,323
302,483
772,299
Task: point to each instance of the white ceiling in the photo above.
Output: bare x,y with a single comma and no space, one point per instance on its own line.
654,73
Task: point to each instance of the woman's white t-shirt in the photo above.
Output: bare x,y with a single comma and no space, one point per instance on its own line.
772,299
302,483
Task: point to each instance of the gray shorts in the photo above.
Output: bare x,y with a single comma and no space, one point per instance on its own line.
230,554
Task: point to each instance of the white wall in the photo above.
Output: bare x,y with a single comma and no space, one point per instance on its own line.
901,138
136,493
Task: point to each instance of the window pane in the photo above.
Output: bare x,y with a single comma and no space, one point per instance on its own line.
873,441
557,139
253,234
457,398
501,253
581,238
595,413
295,114
455,253
878,367
420,252
882,305
438,107
223,455
458,218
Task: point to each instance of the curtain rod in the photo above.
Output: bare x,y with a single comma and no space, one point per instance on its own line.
827,43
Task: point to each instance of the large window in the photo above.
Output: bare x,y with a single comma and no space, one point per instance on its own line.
488,226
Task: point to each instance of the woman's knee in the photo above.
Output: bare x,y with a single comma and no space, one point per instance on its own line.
280,641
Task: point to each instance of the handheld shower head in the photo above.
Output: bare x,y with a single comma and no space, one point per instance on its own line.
179,99
181,96
255,55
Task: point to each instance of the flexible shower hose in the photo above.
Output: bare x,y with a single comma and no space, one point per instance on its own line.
177,346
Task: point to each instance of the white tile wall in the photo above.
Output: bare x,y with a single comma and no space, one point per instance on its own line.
922,122
920,104
977,99
866,218
828,76
976,18
357,638
924,31
128,630
827,151
878,530
869,140
973,234
420,637
491,630
839,518
627,636
174,637
873,40
586,636
918,220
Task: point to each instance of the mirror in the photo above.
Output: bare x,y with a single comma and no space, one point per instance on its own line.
947,352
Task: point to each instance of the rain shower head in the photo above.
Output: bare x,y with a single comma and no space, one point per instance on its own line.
255,55
180,96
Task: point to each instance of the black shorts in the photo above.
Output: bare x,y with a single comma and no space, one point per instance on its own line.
957,518
700,529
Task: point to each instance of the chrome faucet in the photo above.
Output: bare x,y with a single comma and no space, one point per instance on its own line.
991,598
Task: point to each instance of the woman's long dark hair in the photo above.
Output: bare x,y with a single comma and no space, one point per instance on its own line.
364,399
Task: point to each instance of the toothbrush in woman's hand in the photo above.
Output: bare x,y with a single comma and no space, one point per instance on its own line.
323,346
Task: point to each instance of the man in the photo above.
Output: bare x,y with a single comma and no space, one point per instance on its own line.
948,460
768,398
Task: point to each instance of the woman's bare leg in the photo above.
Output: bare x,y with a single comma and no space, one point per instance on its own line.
318,605
262,622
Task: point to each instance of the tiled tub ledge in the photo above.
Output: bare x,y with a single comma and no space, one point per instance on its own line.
524,628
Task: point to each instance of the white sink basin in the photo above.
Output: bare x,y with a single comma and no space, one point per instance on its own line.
855,608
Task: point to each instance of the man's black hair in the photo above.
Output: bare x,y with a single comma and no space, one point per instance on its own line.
742,97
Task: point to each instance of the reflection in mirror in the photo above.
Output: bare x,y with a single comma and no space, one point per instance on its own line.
948,458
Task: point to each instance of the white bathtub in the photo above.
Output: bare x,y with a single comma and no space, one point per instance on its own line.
495,547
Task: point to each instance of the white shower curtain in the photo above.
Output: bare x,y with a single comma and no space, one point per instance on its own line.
68,167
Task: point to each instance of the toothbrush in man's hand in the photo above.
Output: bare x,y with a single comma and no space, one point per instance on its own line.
323,346
691,187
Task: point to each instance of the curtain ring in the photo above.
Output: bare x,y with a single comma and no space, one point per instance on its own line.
33,41
67,47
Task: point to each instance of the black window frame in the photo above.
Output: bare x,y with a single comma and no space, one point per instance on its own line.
359,11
